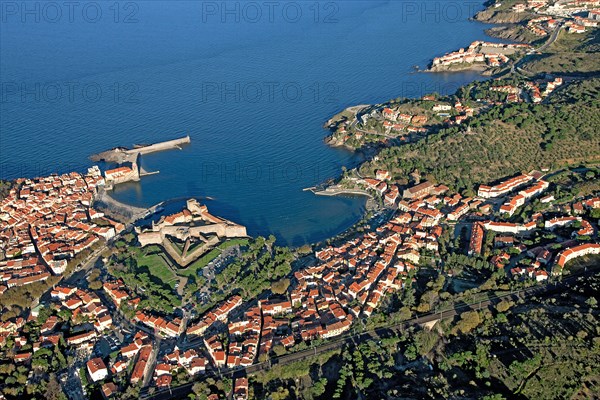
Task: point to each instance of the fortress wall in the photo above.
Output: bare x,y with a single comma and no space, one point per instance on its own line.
132,176
217,229
183,233
235,231
194,255
168,247
206,216
179,232
220,229
147,238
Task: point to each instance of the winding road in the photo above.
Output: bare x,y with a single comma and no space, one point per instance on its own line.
549,42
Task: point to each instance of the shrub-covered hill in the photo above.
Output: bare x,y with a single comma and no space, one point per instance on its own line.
505,140
575,54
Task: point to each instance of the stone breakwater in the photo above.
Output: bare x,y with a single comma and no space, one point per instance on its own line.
121,155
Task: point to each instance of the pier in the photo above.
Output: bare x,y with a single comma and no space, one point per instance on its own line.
143,172
120,155
337,191
168,145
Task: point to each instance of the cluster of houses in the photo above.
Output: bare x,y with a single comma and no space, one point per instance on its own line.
118,293
219,313
90,319
391,120
164,326
83,304
244,335
400,122
453,114
537,90
244,339
541,26
544,260
348,281
504,187
460,112
189,360
547,259
551,14
404,126
244,330
533,5
490,54
552,7
46,222
431,202
138,351
514,202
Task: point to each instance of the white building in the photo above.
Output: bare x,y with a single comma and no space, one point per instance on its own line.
97,369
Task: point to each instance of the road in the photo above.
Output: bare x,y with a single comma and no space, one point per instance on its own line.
79,273
357,338
516,68
150,365
552,38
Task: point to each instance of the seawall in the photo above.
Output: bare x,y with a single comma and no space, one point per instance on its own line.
168,145
120,155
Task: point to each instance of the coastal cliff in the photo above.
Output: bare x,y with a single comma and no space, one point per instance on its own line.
513,24
515,33
481,67
463,114
501,16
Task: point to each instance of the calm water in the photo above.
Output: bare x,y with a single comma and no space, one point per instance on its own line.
251,86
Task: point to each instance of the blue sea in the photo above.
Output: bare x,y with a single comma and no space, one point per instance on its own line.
251,83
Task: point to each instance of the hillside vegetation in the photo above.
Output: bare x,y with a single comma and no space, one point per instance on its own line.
539,348
505,140
571,54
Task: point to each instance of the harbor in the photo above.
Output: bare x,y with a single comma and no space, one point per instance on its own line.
128,160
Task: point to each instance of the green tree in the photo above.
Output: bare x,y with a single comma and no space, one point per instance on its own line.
469,320
281,286
53,389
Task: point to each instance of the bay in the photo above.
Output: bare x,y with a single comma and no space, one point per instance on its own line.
251,82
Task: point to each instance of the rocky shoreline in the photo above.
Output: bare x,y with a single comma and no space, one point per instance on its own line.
508,29
482,68
508,22
515,33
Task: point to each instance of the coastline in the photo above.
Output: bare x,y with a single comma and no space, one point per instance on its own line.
488,15
427,262
370,151
481,68
117,210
